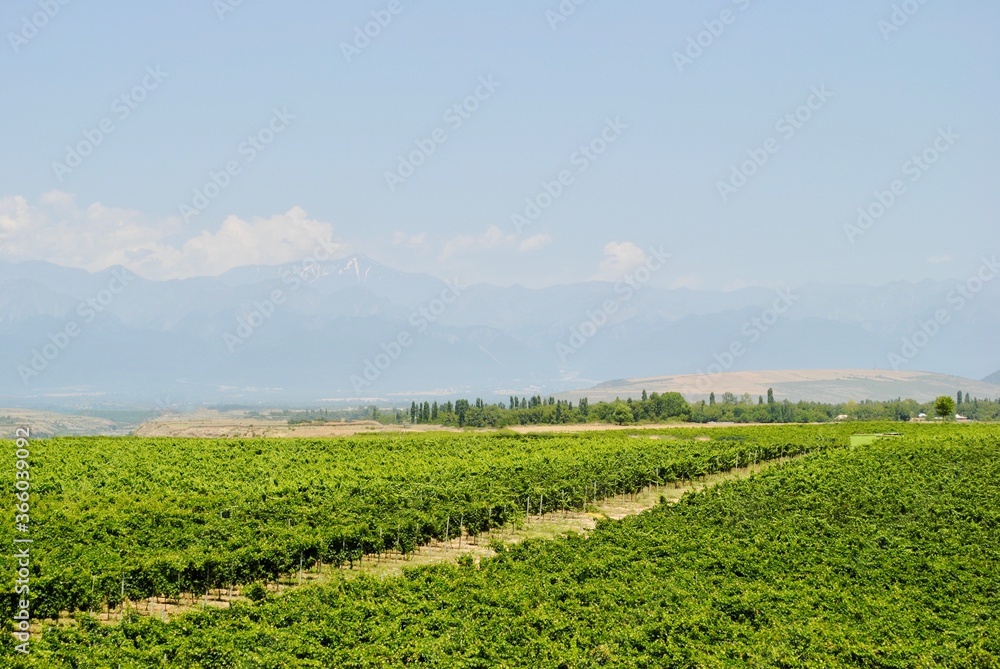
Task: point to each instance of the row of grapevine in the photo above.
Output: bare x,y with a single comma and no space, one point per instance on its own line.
886,555
130,518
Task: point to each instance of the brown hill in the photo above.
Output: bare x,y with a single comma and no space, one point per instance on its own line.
833,386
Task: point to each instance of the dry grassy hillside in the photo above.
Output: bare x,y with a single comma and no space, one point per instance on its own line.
836,385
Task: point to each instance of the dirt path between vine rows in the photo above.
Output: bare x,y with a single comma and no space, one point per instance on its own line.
550,525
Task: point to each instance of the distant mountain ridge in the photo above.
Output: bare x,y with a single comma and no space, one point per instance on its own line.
302,333
993,378
824,385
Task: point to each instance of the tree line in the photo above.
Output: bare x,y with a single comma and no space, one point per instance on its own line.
673,407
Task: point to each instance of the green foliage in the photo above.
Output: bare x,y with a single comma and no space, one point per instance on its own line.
255,592
650,408
879,557
621,413
944,406
130,518
497,545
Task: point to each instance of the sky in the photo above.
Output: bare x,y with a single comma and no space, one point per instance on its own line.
523,142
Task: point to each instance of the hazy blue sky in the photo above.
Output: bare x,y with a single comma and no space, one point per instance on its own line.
678,131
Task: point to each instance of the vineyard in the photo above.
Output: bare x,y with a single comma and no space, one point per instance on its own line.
125,518
881,556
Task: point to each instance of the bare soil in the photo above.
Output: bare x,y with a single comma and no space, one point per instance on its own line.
216,426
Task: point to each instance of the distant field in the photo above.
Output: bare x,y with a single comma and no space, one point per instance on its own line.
47,423
215,425
885,555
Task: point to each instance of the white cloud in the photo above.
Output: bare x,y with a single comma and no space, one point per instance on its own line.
494,239
59,231
534,243
262,241
418,241
619,260
940,260
15,215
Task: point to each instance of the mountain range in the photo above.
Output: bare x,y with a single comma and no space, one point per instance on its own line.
352,328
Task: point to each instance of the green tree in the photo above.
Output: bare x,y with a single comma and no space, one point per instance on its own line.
461,408
944,406
672,405
621,413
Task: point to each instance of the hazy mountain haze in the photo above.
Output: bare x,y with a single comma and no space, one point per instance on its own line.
305,332
310,200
